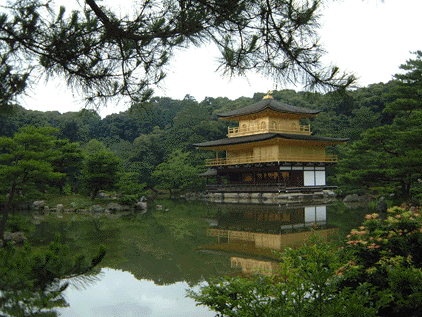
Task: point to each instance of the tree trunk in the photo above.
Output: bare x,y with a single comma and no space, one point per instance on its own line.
153,189
405,189
94,193
61,189
3,221
6,212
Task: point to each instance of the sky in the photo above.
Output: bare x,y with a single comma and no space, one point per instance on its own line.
369,38
119,293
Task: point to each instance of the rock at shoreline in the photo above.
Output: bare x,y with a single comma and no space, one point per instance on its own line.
140,206
96,208
355,199
103,195
114,207
329,193
15,237
38,205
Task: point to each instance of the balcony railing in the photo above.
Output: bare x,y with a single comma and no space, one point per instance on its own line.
237,131
273,158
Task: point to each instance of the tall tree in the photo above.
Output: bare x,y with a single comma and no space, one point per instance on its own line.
103,55
100,171
177,172
392,154
69,163
25,164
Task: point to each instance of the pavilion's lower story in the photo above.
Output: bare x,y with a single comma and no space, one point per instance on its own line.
270,162
269,177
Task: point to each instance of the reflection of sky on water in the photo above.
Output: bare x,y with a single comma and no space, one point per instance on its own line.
120,294
316,214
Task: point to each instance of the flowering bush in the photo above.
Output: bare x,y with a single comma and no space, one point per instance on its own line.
398,233
386,251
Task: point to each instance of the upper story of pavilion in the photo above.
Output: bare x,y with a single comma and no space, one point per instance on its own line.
268,116
269,131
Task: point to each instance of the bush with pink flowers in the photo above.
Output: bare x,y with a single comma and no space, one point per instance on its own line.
386,251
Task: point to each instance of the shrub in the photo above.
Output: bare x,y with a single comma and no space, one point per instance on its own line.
386,252
377,272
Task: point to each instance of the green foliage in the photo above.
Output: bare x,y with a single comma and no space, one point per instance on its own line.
407,87
130,188
390,154
26,165
94,146
177,173
386,253
100,171
241,297
103,56
31,279
69,163
377,272
303,287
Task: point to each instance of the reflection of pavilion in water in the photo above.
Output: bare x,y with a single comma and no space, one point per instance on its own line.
259,230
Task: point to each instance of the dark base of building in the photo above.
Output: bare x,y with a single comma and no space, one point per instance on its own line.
265,188
295,197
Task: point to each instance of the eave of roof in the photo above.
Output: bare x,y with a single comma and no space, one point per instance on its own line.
268,104
266,136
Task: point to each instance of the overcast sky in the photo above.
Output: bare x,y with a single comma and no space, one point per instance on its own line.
370,38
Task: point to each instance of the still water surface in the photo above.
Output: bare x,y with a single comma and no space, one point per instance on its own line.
151,261
120,294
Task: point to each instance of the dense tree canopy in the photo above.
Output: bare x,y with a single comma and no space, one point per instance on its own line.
177,172
382,122
26,165
101,54
391,154
100,170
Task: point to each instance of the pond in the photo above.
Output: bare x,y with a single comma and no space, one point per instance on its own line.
119,293
152,259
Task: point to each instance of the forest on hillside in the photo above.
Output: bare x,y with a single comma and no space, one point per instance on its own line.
151,145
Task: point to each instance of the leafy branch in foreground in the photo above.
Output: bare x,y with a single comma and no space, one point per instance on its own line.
32,280
102,55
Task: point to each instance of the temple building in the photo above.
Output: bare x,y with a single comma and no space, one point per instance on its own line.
269,151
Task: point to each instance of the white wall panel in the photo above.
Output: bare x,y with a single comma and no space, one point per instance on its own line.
319,177
310,214
321,213
309,178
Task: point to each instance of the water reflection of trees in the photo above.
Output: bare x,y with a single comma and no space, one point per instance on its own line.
41,301
32,280
161,247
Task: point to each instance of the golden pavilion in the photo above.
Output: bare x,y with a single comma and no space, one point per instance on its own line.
269,150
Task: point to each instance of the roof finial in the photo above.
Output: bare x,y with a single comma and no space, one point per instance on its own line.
268,95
